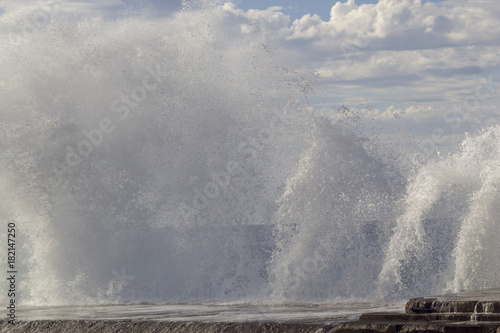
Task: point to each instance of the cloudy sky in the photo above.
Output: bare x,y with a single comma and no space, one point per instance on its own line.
423,61
434,64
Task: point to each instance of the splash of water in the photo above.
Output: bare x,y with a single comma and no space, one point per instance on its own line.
334,218
168,160
444,241
135,154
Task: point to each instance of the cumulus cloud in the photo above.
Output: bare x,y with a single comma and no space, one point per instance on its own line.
421,58
270,22
400,25
415,56
393,25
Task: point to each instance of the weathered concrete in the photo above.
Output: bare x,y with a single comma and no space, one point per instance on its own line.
485,301
131,326
462,312
429,317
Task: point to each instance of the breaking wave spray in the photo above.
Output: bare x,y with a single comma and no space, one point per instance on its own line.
176,160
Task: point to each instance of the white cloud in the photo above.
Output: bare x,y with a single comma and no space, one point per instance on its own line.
391,112
90,5
400,51
418,57
401,24
270,22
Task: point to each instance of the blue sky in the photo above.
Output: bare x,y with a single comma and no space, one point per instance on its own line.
297,8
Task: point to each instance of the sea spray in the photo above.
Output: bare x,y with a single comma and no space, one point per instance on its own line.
477,251
444,239
110,129
335,217
177,160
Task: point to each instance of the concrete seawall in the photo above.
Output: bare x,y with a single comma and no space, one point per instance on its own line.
463,312
105,326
